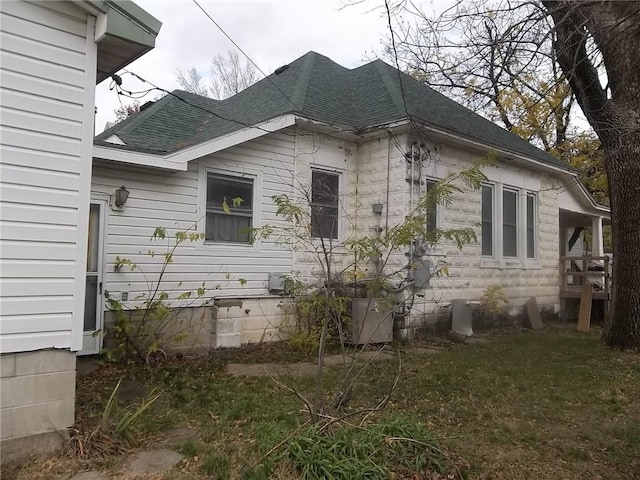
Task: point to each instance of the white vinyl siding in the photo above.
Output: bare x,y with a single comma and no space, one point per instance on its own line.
177,201
47,84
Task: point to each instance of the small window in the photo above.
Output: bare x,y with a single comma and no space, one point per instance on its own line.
509,223
225,221
324,204
432,211
487,220
531,230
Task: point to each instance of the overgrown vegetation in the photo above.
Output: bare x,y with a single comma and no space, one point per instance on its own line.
115,429
376,266
156,319
527,405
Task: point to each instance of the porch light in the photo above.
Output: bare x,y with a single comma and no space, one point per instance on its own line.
121,196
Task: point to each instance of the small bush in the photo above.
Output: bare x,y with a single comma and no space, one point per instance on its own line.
398,446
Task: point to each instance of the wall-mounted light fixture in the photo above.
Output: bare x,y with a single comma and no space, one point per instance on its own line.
122,194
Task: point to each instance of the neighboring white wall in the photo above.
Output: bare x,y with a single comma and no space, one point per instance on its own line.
48,64
376,169
469,272
324,152
176,201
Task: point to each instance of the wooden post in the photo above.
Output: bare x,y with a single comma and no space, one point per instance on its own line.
584,318
607,285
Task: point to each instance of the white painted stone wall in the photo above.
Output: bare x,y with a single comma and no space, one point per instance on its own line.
376,173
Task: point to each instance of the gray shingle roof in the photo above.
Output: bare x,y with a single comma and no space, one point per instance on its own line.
319,89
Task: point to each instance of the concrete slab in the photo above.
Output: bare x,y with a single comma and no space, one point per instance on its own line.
153,461
533,314
179,434
90,475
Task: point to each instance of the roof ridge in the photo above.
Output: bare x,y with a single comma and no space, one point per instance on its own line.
392,85
303,86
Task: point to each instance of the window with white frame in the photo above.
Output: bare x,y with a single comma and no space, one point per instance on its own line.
509,222
325,194
229,208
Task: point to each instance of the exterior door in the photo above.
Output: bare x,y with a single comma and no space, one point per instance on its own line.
93,300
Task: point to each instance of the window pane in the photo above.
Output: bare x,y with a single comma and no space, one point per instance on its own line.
91,303
487,220
531,246
93,238
432,212
223,187
510,223
231,225
225,227
324,204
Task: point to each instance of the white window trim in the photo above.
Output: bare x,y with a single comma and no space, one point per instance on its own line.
342,200
498,260
203,171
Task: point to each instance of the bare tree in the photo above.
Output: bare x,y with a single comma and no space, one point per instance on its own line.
488,51
191,81
500,65
229,75
125,111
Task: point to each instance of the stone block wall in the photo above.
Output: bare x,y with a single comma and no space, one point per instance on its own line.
250,320
37,400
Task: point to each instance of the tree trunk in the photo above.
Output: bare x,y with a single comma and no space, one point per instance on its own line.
623,169
614,114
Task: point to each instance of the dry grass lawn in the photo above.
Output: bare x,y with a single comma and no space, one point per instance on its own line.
552,404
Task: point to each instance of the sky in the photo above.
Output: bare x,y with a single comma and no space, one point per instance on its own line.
272,32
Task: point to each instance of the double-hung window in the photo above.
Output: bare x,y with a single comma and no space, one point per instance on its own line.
531,225
229,208
487,220
509,222
432,210
325,195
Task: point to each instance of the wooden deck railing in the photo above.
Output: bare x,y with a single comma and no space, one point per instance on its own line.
574,272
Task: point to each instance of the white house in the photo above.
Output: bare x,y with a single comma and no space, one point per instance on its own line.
52,55
374,142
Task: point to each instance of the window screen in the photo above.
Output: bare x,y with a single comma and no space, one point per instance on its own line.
531,231
432,212
509,223
487,220
324,204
